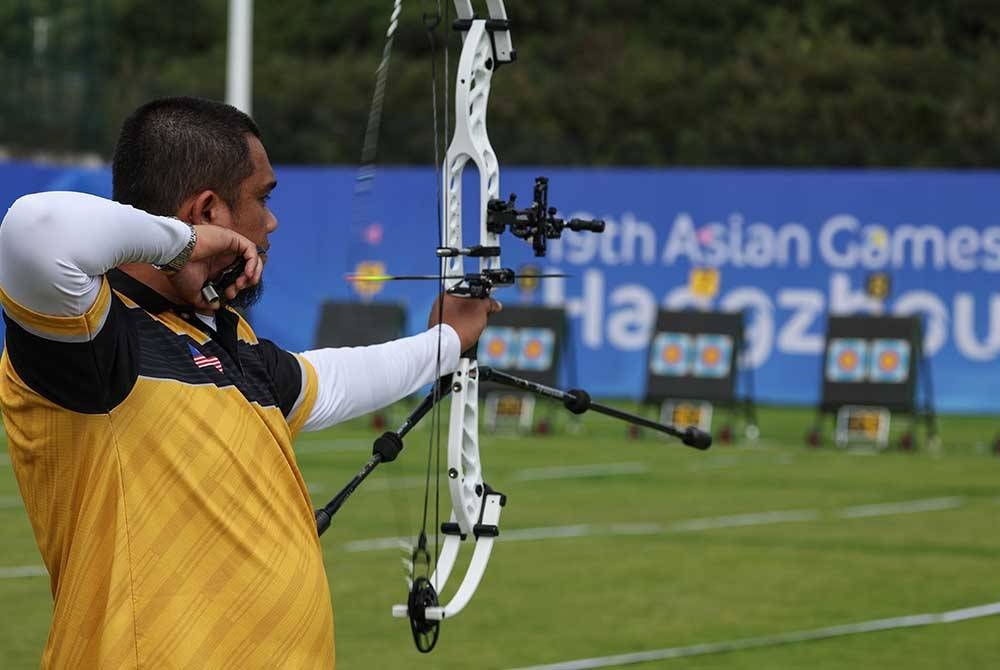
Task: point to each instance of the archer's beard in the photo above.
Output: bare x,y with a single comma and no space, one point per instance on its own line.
249,296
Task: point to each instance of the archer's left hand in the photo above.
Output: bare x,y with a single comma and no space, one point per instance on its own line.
466,315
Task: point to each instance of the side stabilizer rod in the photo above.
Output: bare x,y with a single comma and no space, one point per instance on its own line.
578,401
385,450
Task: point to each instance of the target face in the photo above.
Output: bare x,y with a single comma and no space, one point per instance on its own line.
498,347
889,362
713,356
536,348
671,354
847,360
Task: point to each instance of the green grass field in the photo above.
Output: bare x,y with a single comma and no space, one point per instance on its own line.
613,546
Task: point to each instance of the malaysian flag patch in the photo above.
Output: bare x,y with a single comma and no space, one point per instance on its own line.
203,361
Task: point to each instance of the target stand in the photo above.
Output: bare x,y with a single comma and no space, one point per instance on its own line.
358,324
529,342
862,425
874,368
693,369
687,413
509,412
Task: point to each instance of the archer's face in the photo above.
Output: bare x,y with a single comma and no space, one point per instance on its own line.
251,216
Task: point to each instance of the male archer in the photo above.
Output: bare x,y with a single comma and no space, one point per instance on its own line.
151,431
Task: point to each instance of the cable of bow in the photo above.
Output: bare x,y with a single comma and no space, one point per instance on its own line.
422,594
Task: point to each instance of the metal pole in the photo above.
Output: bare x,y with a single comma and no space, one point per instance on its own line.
239,55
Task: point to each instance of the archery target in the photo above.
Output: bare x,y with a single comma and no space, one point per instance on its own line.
889,362
713,355
525,341
846,360
871,361
536,348
670,354
693,355
498,347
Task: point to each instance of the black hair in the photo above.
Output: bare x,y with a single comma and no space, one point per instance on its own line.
172,148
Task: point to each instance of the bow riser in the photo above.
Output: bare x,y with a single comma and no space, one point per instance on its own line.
470,143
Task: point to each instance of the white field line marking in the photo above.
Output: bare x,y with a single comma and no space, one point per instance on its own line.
719,462
714,463
23,571
910,507
582,530
573,471
527,475
739,520
375,484
4,459
587,530
378,544
873,626
394,482
685,526
552,532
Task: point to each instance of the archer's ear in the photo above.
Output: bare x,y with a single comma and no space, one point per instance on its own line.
205,207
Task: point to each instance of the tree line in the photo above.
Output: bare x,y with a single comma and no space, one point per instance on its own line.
608,82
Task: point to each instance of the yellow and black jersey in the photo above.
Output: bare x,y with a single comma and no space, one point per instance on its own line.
154,455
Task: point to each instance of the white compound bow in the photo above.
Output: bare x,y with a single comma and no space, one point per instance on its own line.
476,507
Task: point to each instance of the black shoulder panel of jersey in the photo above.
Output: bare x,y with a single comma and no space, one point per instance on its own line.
285,373
90,377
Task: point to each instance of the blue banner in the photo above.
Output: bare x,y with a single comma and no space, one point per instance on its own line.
788,246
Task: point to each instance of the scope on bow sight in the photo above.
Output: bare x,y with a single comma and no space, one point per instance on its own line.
538,222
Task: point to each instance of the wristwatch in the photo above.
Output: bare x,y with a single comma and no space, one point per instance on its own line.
181,259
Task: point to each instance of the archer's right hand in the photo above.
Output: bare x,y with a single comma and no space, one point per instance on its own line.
216,247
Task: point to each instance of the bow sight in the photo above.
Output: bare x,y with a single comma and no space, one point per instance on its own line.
538,222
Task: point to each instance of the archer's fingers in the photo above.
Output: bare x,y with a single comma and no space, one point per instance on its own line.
255,269
261,260
250,253
251,276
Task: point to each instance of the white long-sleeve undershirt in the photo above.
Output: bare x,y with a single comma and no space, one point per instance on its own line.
377,375
55,246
